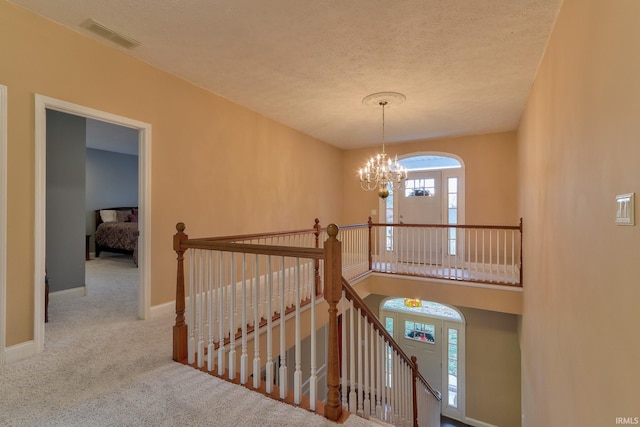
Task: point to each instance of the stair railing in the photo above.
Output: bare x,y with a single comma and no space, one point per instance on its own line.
242,289
378,379
242,299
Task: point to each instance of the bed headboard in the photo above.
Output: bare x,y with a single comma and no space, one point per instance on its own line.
121,210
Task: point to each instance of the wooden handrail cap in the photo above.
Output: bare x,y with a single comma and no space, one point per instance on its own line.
332,231
180,227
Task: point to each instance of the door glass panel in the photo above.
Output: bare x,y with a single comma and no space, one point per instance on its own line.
389,219
452,363
388,325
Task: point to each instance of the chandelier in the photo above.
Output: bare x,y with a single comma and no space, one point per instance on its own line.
381,173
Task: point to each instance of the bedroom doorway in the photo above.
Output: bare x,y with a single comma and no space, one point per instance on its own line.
43,105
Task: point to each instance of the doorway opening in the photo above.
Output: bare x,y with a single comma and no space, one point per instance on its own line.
435,334
42,104
433,193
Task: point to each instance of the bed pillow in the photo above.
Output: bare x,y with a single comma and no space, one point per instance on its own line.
108,215
133,218
123,215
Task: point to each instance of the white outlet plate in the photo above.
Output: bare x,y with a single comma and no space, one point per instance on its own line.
625,209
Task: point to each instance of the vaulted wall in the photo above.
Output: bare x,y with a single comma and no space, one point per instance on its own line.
216,166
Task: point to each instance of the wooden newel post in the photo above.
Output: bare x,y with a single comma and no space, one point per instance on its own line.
415,390
180,328
332,295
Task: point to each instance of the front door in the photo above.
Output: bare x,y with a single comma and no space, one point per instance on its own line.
420,202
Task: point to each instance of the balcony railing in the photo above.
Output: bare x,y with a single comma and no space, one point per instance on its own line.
249,299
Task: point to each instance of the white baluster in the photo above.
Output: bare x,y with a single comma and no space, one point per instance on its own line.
283,350
344,353
367,352
211,314
513,255
221,315
269,365
445,252
378,376
232,320
191,312
313,379
201,303
256,325
359,408
243,308
396,385
297,374
353,399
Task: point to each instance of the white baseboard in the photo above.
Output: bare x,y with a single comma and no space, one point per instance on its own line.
19,351
163,309
80,291
477,423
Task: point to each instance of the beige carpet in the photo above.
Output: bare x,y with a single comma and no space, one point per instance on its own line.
103,367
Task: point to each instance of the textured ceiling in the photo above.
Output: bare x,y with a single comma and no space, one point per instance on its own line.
465,66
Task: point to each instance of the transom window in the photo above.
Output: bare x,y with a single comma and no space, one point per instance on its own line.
427,308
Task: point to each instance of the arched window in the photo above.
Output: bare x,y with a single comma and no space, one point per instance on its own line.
427,308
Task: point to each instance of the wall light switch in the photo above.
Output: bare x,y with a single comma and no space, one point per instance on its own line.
373,212
625,209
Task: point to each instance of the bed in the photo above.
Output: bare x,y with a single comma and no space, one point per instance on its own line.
117,231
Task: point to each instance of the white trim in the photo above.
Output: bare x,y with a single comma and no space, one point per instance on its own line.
80,291
20,351
3,221
164,309
508,288
477,423
42,103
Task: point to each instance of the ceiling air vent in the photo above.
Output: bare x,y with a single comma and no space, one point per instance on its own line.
109,34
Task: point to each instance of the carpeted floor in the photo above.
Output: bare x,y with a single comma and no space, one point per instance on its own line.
103,367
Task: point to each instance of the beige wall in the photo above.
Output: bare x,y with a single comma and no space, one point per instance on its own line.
579,147
216,166
491,176
492,364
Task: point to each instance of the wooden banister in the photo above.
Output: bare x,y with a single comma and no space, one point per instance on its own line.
180,328
250,248
332,295
237,237
462,226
